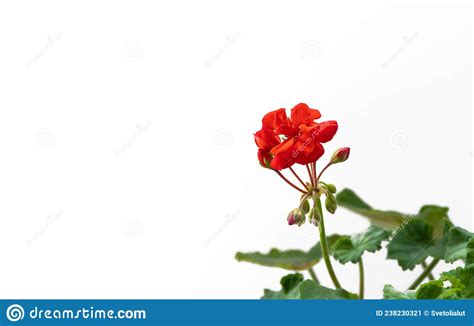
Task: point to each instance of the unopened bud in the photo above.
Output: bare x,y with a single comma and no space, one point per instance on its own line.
265,158
296,216
331,187
340,155
305,206
330,203
314,216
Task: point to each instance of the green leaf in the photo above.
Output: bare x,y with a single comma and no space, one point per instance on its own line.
311,290
293,259
462,279
389,292
430,290
352,248
454,284
387,219
294,287
409,246
290,289
436,217
439,239
289,282
470,254
280,295
349,199
433,215
465,274
457,244
418,239
448,286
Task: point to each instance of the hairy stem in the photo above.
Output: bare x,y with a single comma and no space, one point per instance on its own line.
361,279
430,275
425,273
323,241
313,275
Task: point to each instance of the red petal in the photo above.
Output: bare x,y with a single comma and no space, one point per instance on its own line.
311,153
302,114
283,147
306,148
282,161
279,122
266,139
283,155
274,119
324,131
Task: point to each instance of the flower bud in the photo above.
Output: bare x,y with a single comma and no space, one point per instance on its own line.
265,158
314,216
331,187
305,206
340,155
296,216
330,203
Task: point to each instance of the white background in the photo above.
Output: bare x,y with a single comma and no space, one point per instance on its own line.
128,166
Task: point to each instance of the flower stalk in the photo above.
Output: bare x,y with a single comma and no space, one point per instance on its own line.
425,273
430,275
298,177
323,242
289,182
361,279
313,275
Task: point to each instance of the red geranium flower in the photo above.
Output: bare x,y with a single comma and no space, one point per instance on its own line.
284,141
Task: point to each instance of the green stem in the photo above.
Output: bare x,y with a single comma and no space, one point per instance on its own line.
323,241
313,275
361,279
425,273
430,275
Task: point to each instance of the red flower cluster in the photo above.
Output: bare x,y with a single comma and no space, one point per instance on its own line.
284,141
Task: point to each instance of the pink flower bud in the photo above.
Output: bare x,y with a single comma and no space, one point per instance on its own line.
296,216
340,155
